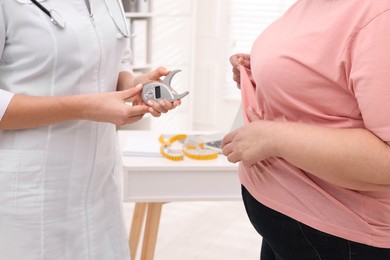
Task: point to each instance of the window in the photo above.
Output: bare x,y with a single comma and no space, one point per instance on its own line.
248,18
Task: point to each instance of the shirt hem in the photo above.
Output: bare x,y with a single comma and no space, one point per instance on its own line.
315,223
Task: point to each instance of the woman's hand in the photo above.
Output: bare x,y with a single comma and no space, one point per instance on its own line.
251,143
237,60
346,157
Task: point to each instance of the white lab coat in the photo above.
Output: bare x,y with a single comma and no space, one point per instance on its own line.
60,185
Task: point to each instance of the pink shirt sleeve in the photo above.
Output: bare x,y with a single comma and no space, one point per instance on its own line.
369,77
5,98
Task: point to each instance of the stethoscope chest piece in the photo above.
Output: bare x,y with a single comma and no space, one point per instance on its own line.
57,19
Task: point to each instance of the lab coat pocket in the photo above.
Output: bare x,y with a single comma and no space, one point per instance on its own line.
21,182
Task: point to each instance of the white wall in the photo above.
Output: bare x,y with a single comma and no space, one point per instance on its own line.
191,35
213,110
173,43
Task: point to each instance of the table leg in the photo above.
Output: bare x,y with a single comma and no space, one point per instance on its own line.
151,230
136,228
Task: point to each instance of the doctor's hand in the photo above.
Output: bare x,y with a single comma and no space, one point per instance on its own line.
111,107
163,106
154,75
237,60
251,143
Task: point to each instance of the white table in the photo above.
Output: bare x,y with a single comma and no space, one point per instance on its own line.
153,181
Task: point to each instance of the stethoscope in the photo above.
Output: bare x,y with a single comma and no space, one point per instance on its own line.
57,19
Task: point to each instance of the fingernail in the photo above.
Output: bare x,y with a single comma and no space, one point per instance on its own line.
150,103
162,103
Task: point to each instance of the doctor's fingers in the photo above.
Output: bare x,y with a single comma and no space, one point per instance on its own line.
131,120
131,93
153,75
158,73
176,103
162,106
131,115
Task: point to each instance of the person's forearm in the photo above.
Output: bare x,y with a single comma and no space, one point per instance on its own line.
351,158
109,107
125,80
30,111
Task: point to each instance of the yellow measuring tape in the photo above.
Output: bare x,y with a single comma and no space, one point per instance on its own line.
177,147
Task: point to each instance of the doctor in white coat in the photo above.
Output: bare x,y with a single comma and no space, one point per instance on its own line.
64,81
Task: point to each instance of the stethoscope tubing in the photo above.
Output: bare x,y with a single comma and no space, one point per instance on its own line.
124,34
57,20
41,7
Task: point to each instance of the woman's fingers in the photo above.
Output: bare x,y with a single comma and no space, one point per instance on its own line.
252,115
244,62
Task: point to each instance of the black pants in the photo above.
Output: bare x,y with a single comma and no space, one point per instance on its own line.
287,239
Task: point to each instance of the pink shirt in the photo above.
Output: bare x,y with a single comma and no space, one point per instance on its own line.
324,62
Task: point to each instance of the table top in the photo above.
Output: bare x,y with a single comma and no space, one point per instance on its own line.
140,163
149,179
